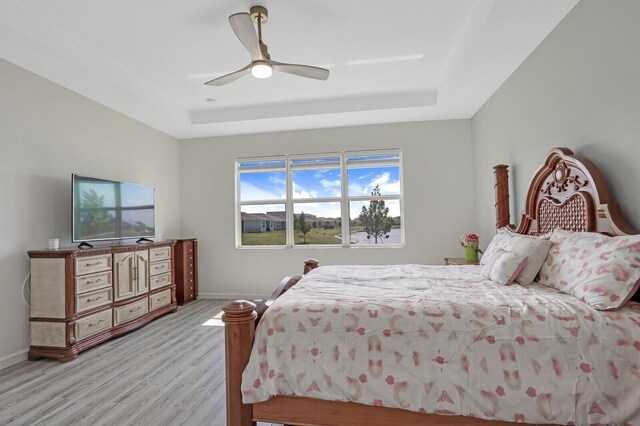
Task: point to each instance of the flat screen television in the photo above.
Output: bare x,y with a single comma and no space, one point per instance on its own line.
111,210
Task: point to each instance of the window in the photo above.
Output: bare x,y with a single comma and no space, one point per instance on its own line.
338,199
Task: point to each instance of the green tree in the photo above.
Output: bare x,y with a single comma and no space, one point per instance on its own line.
375,220
94,219
303,226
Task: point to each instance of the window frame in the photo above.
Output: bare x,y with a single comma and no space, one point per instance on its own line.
345,199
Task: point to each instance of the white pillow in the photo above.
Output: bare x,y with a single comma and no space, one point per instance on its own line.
499,241
504,266
601,270
534,248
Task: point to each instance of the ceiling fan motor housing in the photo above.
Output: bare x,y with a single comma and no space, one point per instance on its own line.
259,12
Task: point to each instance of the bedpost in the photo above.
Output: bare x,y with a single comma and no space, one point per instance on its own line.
240,322
310,264
501,172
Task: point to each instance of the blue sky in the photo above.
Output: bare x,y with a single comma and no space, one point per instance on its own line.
318,184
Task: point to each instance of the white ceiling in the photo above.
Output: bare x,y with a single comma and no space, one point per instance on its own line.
390,61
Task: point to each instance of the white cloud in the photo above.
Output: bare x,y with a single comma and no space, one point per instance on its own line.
390,188
380,180
250,192
387,186
305,194
326,184
276,180
300,192
263,208
319,209
357,189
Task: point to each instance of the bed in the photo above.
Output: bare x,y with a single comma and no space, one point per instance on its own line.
418,344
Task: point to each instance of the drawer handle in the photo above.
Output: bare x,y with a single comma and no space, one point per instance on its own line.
190,280
191,265
95,323
190,272
96,263
190,287
99,280
159,299
161,266
135,310
89,300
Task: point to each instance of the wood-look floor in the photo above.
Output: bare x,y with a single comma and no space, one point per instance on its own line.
169,372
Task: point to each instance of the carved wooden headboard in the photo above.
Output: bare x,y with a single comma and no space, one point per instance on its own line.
567,192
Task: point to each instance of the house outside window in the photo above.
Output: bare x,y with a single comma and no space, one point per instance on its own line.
343,199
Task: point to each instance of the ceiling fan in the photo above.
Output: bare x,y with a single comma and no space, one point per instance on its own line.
261,65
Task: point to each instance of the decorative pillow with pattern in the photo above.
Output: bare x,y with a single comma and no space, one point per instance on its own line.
601,270
503,267
534,248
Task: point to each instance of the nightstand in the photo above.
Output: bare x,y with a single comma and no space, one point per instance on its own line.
457,261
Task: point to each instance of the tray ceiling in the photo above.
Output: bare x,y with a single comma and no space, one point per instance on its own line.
389,61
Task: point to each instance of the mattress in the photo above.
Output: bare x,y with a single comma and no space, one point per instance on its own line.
445,340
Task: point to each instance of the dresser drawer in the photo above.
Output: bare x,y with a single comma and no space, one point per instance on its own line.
92,282
131,311
159,300
91,264
93,324
161,253
161,280
156,268
94,299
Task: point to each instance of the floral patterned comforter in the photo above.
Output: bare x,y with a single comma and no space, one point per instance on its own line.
445,340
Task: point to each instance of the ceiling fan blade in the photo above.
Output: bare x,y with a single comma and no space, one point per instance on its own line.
242,25
302,70
228,78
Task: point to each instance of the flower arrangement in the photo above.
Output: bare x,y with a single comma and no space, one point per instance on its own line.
471,244
470,240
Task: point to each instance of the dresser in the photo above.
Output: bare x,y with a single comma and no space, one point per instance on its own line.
186,253
83,297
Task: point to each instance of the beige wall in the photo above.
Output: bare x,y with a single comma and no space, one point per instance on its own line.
580,89
46,133
438,200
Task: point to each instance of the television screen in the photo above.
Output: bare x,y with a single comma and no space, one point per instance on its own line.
106,210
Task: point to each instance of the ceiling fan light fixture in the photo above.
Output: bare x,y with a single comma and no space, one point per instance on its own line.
261,69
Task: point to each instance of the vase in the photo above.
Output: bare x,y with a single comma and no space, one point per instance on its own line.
470,255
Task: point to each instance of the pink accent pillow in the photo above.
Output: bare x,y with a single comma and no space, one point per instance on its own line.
603,271
503,267
534,248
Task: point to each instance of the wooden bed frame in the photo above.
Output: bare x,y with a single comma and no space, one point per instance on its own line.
566,191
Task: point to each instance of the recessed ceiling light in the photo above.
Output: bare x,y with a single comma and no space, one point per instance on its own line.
211,100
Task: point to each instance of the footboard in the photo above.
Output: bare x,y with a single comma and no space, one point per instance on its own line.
240,318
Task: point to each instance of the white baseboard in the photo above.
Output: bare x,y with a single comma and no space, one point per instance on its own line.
232,296
12,359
